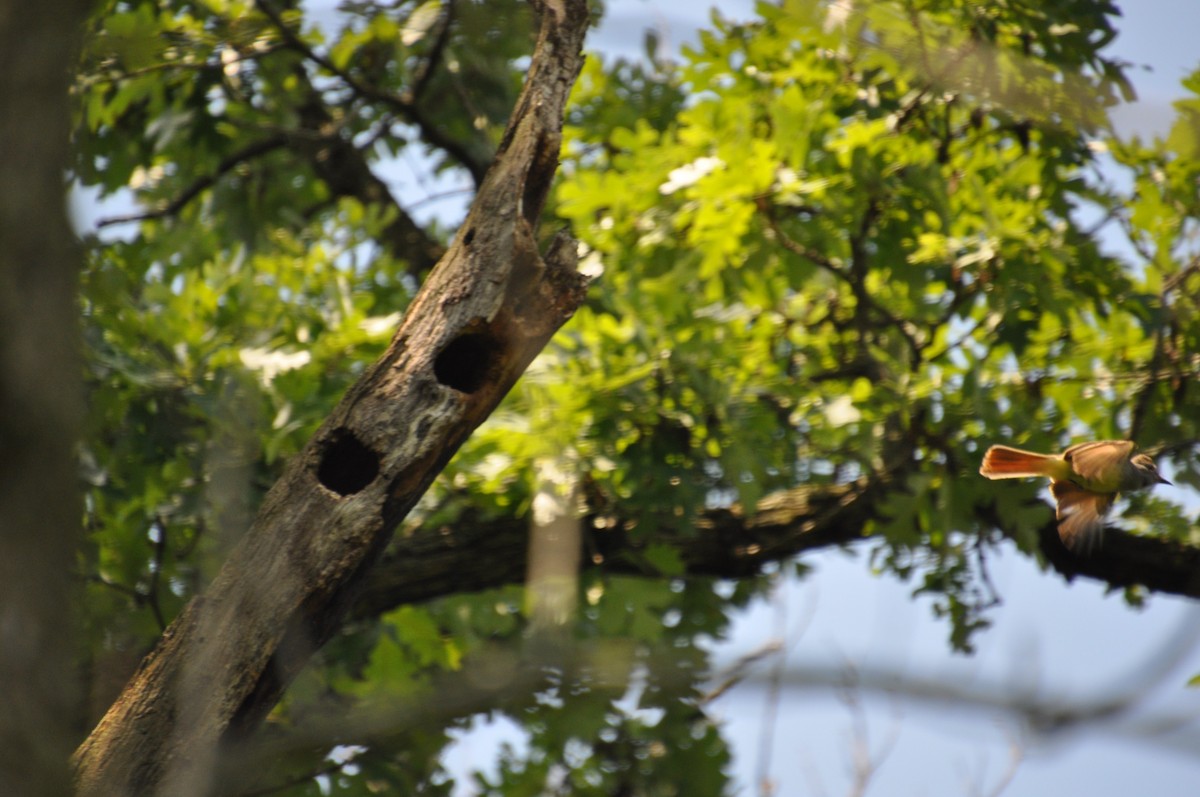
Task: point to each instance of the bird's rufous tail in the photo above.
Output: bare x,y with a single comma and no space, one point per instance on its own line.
1002,462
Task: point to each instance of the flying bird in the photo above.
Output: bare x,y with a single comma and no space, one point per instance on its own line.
1084,480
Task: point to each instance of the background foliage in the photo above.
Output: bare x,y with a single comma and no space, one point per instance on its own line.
838,243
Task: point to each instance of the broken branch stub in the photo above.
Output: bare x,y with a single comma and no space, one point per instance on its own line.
487,309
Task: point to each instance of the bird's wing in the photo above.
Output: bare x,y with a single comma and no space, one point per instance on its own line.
1100,463
1080,515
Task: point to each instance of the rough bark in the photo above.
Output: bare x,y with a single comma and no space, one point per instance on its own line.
725,543
40,399
486,310
731,543
1127,560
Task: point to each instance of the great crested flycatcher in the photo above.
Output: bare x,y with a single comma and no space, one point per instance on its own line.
1084,481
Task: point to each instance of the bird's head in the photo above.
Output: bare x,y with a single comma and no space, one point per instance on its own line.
1145,466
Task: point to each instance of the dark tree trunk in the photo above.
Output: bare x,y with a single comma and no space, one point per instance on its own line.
40,407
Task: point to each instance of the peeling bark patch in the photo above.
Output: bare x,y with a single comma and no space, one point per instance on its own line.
466,361
347,466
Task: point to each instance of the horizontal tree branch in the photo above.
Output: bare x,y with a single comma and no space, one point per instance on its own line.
473,555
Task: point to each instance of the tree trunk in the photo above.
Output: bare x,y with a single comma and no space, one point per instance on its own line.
487,309
40,407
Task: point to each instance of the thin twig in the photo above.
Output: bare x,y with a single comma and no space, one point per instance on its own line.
735,674
177,204
409,110
1142,404
156,566
425,72
1016,755
129,592
1178,278
766,741
115,75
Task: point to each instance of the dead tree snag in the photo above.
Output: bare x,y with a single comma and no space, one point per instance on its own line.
487,309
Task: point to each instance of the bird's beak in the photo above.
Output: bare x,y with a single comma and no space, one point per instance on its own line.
1161,480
